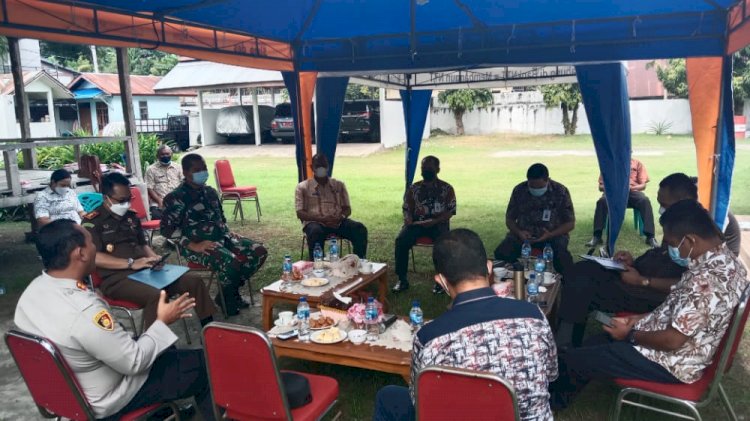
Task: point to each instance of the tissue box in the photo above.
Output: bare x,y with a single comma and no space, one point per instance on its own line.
302,266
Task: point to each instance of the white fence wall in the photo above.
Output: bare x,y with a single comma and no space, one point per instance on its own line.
525,112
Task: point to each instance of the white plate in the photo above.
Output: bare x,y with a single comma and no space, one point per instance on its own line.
315,282
314,337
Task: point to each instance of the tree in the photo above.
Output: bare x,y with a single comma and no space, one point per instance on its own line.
355,91
567,96
461,101
78,57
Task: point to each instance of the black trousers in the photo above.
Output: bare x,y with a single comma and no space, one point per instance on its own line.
601,359
509,250
350,229
156,212
636,200
590,287
407,238
176,374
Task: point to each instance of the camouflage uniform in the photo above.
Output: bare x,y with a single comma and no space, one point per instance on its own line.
198,215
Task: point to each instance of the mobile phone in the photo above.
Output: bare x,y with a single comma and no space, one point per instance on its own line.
287,335
603,318
160,264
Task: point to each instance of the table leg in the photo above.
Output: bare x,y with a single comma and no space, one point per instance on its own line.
383,290
267,312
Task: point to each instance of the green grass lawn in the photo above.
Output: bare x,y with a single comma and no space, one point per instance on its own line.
483,181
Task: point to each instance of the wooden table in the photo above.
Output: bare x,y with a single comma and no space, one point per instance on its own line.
271,297
345,353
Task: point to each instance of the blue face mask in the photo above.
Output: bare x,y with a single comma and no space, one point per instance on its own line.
200,177
674,254
538,192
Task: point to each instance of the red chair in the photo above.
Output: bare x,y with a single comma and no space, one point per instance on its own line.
246,382
421,242
128,307
53,385
329,237
484,396
228,189
137,205
698,394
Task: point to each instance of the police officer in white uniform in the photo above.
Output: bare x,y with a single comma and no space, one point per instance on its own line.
117,374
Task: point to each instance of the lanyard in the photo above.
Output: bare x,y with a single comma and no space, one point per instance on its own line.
487,297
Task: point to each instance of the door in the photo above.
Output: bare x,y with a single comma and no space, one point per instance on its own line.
84,115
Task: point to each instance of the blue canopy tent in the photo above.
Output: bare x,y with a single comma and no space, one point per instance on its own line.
347,37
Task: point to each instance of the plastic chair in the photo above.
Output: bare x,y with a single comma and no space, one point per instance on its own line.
228,189
90,200
421,242
329,237
701,393
137,205
128,307
246,381
484,396
52,383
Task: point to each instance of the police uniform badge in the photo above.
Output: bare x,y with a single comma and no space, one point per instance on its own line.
104,320
91,215
110,248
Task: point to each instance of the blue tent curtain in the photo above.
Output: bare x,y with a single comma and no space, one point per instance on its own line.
605,96
329,98
416,105
725,148
291,80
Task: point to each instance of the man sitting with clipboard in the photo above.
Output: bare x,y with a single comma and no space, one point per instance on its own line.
122,251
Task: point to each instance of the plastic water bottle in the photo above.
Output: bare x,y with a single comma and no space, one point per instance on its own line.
416,316
549,256
532,289
303,317
371,320
333,251
317,257
540,264
526,253
286,268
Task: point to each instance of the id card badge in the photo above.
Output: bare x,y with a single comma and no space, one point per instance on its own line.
546,215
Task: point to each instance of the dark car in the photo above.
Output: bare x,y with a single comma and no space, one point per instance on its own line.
282,126
361,119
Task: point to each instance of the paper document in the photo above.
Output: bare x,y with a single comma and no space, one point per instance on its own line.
605,262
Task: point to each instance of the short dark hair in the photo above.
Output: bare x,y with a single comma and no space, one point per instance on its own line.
58,175
537,171
55,242
689,217
189,159
112,179
431,158
460,255
679,186
318,157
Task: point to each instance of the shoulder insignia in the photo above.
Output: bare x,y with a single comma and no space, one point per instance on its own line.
91,215
104,320
81,285
88,225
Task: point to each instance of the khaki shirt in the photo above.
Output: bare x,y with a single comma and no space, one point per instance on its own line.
163,178
321,200
109,365
120,237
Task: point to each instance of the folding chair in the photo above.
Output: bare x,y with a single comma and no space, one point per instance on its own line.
701,393
484,396
329,237
52,383
137,205
246,381
90,200
426,242
228,189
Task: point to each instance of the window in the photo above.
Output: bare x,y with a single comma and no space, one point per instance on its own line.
102,115
143,108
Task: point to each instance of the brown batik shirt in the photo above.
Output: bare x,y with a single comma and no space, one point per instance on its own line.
535,214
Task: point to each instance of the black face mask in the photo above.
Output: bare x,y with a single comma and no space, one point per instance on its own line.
165,159
429,175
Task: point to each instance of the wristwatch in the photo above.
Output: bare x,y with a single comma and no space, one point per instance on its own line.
130,262
631,337
646,282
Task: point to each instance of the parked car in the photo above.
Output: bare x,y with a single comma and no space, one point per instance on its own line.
361,119
236,123
282,126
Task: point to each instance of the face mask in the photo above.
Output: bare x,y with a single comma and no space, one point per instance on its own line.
538,192
661,210
119,209
321,172
200,177
674,254
62,191
428,175
165,160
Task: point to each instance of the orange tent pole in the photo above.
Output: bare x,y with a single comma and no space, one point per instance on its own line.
307,82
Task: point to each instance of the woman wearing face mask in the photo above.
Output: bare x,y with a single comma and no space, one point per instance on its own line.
58,200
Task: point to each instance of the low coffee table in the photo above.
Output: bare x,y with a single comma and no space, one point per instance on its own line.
272,294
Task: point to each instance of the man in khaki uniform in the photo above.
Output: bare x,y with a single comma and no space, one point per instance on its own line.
116,373
322,204
162,177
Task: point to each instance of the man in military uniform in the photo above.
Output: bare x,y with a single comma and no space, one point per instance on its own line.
116,373
540,211
122,249
195,210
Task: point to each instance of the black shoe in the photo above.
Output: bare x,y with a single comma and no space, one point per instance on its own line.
651,241
437,289
185,412
400,286
595,241
230,310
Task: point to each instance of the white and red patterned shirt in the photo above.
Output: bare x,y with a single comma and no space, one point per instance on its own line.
507,337
699,306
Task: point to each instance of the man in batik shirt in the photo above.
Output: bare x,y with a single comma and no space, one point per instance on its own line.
481,332
428,207
677,341
195,210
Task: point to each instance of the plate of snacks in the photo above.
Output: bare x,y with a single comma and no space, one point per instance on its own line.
320,322
329,336
297,275
314,282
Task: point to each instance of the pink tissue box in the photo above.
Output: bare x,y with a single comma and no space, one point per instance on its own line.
303,265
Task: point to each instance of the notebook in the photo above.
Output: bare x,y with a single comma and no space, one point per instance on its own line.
605,262
159,279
